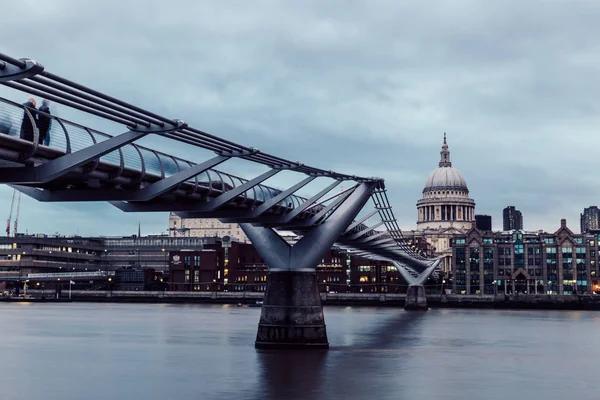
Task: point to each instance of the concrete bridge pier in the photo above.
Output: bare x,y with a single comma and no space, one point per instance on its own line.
415,298
292,313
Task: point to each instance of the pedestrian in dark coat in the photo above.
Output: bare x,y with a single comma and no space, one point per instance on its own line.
44,122
27,124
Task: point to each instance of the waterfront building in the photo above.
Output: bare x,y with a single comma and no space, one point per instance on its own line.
483,222
237,267
512,219
204,227
590,219
525,262
445,209
55,254
178,263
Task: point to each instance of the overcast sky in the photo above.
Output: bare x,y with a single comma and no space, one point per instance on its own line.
362,87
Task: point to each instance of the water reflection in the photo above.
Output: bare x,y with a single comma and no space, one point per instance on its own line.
292,374
342,371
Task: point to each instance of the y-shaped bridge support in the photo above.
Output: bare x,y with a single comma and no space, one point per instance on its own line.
415,296
292,314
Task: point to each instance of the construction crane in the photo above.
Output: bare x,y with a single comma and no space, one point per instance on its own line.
17,216
12,205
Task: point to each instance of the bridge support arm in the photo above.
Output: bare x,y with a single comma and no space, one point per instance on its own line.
292,313
415,296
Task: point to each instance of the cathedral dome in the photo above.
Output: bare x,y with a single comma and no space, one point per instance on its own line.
445,177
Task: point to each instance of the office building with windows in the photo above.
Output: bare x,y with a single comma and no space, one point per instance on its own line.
525,262
512,219
131,260
590,219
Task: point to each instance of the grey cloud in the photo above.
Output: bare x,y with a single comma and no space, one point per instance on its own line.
366,87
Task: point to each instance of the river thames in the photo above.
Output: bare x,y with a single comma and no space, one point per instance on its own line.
132,351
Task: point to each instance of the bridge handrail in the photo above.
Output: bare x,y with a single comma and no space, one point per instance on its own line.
67,123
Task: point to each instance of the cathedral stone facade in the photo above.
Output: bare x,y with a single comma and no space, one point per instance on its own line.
445,209
445,202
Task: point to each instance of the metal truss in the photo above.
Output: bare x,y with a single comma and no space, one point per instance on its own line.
88,165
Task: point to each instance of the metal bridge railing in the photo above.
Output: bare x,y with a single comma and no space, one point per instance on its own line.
67,136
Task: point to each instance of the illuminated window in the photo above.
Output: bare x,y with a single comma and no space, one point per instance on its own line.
363,279
187,275
196,276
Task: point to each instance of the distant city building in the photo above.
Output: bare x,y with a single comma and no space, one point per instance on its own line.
525,262
238,267
204,227
590,219
512,219
179,263
26,254
445,209
483,222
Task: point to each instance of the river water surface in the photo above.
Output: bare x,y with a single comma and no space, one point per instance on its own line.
131,351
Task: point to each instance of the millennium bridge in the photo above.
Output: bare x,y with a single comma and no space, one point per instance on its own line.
82,164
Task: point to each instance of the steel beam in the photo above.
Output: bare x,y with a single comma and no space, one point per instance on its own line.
281,196
236,191
164,185
373,237
25,69
364,231
328,208
360,221
294,213
146,194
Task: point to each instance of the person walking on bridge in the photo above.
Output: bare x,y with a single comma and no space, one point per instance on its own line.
27,124
44,122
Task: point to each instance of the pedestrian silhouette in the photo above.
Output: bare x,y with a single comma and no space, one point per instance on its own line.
27,124
44,122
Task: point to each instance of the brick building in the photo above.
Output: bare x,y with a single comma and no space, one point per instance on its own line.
525,262
238,267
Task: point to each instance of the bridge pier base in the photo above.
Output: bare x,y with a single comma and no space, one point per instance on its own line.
292,313
415,298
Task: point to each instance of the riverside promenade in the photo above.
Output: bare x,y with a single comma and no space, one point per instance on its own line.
521,301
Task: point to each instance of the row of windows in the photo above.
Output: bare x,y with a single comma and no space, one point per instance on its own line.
567,251
187,261
165,242
548,240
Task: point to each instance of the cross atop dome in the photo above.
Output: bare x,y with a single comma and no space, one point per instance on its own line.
445,154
